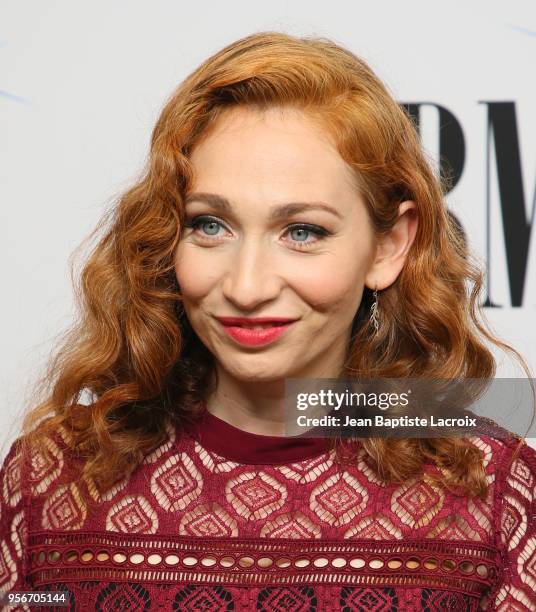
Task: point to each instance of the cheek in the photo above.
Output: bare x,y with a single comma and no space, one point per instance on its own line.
329,285
191,271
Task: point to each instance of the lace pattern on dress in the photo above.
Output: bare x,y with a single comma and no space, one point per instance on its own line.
468,568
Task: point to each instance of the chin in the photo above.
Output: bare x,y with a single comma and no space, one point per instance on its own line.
248,374
263,376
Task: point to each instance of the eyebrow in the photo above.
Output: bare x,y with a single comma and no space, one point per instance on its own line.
277,212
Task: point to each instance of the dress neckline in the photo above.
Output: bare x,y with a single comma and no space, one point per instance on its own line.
218,436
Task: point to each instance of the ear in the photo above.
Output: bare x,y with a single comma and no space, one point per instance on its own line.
392,248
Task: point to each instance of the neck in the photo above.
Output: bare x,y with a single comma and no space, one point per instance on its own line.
258,406
255,407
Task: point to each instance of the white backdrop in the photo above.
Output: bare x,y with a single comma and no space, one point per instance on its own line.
82,83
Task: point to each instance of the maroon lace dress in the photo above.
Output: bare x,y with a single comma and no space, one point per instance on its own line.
221,519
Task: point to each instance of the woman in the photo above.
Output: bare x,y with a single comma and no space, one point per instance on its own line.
288,225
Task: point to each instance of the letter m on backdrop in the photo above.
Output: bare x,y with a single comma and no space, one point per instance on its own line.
502,133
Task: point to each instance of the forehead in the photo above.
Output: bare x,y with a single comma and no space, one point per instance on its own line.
279,153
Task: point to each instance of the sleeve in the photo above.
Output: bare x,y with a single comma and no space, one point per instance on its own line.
516,588
13,522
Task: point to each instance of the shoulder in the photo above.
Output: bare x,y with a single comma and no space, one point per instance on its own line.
13,518
12,475
515,488
509,459
510,455
48,472
513,468
33,463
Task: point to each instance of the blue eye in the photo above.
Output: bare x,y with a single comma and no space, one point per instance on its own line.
306,228
205,221
299,231
212,224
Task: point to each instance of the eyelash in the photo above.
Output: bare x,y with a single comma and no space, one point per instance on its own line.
320,232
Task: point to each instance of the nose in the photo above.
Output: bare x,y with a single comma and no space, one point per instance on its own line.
252,277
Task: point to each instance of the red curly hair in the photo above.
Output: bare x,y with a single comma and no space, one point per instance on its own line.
132,350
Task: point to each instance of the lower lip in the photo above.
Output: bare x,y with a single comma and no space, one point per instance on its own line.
256,337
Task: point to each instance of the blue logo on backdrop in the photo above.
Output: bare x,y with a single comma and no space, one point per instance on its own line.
7,94
523,30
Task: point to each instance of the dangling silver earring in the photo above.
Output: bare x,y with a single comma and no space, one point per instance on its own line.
374,312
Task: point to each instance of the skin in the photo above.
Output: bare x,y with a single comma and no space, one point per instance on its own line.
249,265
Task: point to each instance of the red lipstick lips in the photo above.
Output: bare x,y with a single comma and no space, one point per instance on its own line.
255,331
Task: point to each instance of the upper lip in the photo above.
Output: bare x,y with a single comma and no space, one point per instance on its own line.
253,320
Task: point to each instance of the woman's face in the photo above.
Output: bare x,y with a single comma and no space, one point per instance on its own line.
249,254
